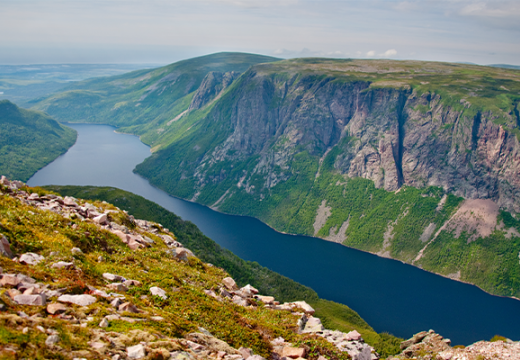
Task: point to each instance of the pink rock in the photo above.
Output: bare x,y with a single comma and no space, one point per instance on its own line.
293,353
9,280
230,283
101,219
353,336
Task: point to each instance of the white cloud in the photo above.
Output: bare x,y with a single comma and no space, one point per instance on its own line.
493,9
389,53
371,53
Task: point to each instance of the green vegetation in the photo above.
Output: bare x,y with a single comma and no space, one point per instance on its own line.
144,101
29,140
334,315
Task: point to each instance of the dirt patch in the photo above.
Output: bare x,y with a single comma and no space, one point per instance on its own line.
322,214
427,233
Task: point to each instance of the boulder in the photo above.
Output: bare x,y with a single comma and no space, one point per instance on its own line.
128,306
9,280
116,302
306,307
30,259
181,253
63,265
13,292
70,201
5,247
157,291
230,283
35,300
251,289
52,340
101,219
353,336
313,325
240,301
136,352
133,242
245,352
81,300
56,308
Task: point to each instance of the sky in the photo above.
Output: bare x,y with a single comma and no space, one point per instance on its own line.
165,31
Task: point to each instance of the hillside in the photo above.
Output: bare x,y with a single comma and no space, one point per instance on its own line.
410,160
416,161
29,140
71,250
142,102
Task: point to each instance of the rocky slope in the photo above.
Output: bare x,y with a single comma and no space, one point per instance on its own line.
29,140
87,280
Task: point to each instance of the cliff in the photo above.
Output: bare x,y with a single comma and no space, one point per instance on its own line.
410,160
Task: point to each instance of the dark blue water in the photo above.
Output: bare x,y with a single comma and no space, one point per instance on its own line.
389,295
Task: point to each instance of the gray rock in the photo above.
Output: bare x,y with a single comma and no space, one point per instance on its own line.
81,300
76,251
306,307
230,283
63,265
112,277
52,340
103,323
313,325
116,302
157,291
101,219
136,352
30,259
34,300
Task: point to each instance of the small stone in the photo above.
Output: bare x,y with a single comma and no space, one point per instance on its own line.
56,308
113,277
117,287
265,299
30,259
103,323
2,307
293,353
157,291
116,302
245,352
63,265
41,329
70,201
313,325
33,300
52,340
55,253
81,300
25,330
248,287
136,352
129,283
13,292
100,258
76,251
230,283
128,307
157,318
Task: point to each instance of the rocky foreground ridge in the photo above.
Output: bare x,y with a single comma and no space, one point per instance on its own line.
101,284
54,300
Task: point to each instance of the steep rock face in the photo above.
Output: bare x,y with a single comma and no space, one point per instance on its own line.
387,136
211,87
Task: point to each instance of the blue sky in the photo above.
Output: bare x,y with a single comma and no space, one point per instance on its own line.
161,31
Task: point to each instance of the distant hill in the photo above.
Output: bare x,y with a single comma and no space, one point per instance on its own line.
142,100
29,140
506,66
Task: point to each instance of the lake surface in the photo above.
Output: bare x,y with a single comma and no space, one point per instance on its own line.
389,295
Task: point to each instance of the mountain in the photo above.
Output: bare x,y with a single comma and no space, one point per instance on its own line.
140,291
417,161
410,160
29,140
142,102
